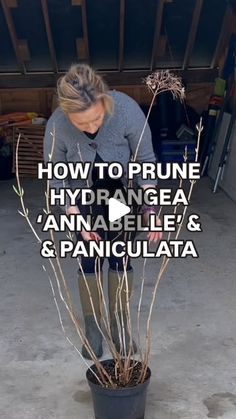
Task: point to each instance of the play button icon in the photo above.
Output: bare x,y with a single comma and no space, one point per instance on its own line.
116,209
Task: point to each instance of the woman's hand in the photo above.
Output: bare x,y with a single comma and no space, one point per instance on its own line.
154,236
72,210
87,235
90,235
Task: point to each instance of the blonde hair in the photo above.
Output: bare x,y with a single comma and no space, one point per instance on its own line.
80,88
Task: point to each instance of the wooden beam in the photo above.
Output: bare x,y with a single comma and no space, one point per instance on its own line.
11,3
162,46
193,33
76,2
24,50
113,78
122,34
81,49
12,32
157,32
85,28
224,37
44,5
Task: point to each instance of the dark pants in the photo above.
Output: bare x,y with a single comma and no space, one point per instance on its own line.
115,263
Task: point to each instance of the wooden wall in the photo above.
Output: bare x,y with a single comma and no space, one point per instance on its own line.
42,100
26,100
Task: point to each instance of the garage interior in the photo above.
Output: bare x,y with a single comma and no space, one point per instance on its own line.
194,332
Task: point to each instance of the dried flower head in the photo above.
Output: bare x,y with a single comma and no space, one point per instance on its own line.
162,80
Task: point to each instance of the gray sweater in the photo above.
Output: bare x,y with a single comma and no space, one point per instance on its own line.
116,140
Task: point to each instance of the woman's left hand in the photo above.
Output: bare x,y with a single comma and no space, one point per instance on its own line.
154,236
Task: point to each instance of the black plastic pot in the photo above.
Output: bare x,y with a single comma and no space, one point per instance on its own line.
120,403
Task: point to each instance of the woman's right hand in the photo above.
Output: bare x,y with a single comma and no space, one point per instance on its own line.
87,235
72,210
90,235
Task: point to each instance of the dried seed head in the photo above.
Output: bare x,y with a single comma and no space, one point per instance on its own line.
162,80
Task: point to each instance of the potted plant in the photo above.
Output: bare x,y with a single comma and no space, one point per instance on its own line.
119,383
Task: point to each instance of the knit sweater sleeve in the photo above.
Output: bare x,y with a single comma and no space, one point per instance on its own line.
140,138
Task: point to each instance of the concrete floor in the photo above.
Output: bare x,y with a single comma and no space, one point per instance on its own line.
194,348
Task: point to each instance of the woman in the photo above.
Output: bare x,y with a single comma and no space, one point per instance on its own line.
95,124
